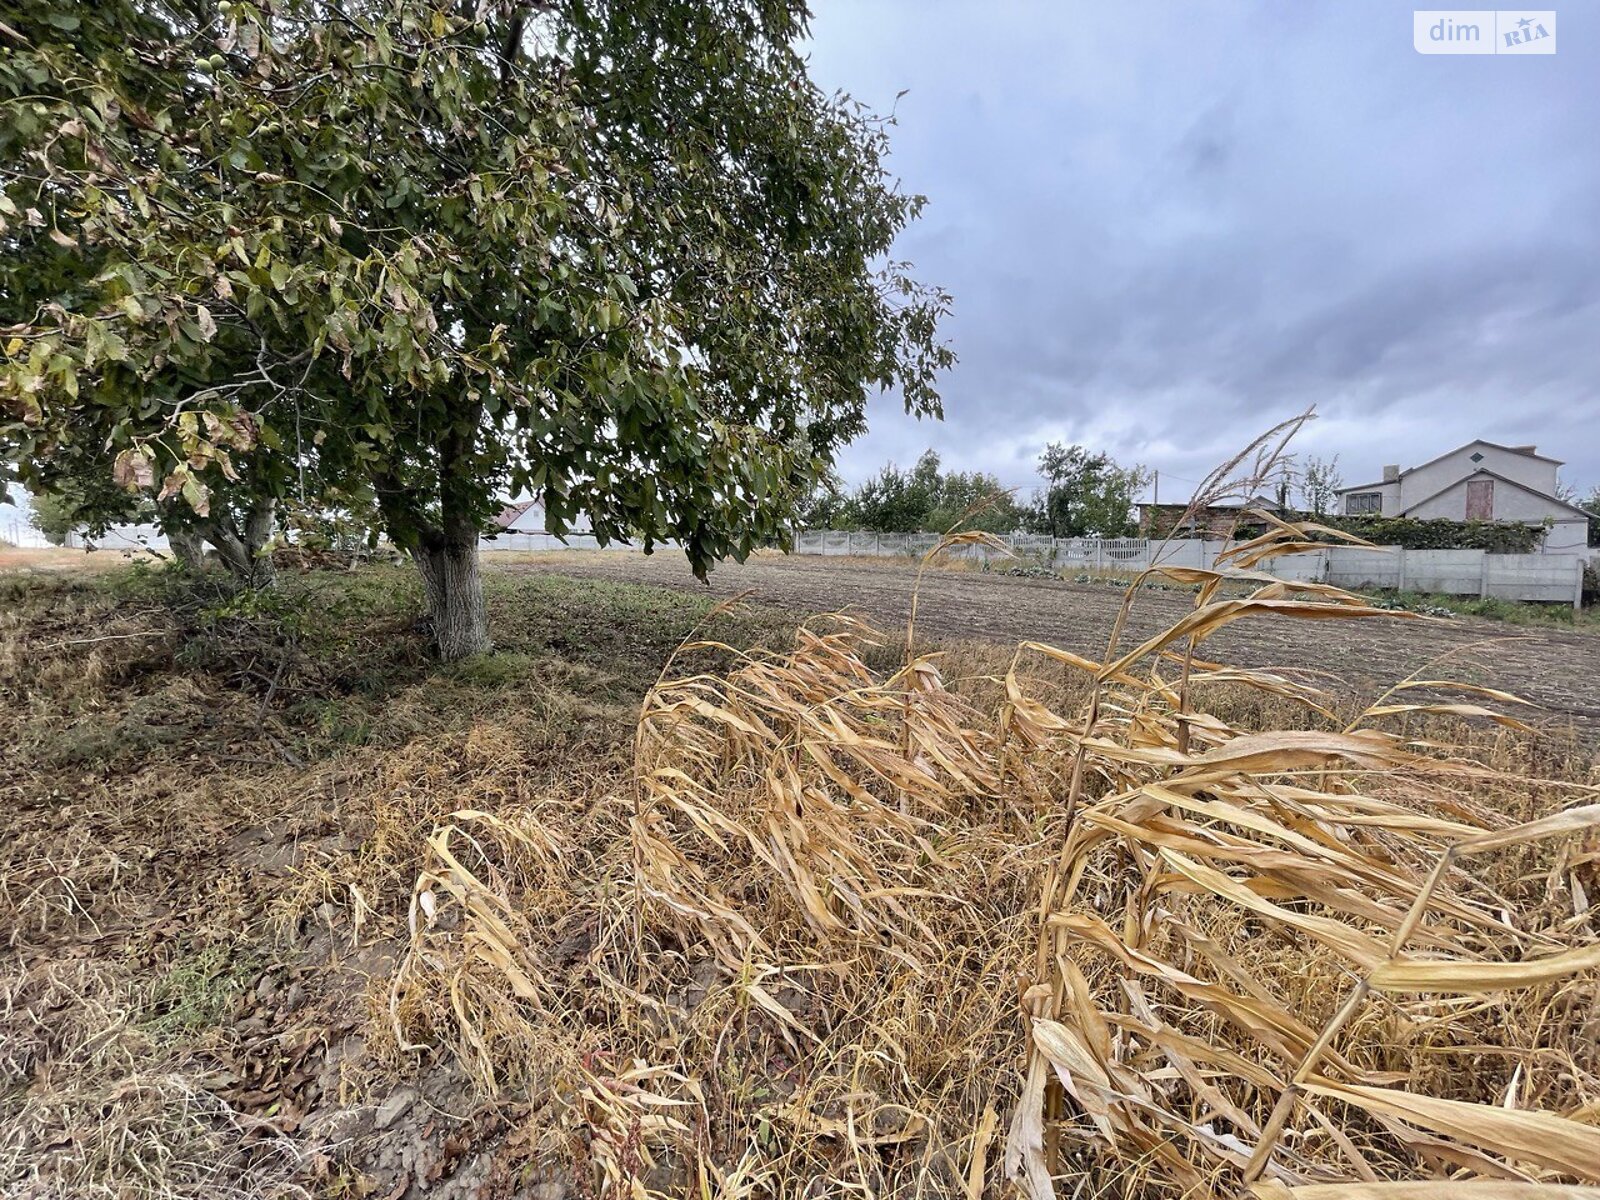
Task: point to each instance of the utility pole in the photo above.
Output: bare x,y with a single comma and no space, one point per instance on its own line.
1155,497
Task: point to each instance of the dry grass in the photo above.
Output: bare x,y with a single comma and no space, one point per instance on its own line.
110,1084
211,813
26,560
852,931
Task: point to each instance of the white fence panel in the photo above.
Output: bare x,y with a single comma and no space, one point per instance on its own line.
1447,572
1309,567
1031,545
1190,552
128,537
539,543
1534,577
1543,577
1358,567
1124,552
1077,553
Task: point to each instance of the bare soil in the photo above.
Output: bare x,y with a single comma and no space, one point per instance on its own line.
1557,670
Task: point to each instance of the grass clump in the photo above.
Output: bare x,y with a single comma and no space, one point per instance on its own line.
197,992
1492,608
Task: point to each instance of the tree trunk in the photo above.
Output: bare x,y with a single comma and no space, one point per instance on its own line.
453,592
446,549
243,552
188,547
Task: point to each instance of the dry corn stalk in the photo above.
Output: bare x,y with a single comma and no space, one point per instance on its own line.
1243,904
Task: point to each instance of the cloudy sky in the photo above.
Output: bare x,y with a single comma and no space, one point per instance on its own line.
1168,225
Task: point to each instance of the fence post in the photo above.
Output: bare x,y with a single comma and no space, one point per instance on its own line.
1401,585
1483,575
877,542
1577,589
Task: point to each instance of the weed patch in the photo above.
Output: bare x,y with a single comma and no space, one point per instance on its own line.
197,992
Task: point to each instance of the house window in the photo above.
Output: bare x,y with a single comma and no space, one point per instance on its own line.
1365,502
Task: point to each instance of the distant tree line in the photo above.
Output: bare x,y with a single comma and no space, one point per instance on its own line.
1083,494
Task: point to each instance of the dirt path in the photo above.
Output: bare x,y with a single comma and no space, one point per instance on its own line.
1557,669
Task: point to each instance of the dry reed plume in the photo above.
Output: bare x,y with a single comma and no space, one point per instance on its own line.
854,934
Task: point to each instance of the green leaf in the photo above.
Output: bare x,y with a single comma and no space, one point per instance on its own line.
197,496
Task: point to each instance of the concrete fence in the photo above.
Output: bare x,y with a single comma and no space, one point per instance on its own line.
548,541
1554,578
118,537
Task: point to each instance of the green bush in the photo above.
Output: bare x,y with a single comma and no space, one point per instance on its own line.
1413,533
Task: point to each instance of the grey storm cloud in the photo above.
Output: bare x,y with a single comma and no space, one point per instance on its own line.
1168,226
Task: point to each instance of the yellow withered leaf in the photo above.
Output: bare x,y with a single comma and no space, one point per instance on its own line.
1572,820
1412,975
1450,685
1428,1189
1296,749
1209,618
1518,1134
1354,945
1454,710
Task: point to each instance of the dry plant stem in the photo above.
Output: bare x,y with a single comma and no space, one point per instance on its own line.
951,537
1202,597
1053,945
910,660
1213,814
1284,1108
1183,694
1268,451
693,639
1412,679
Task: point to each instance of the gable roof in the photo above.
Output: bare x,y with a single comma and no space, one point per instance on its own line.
1521,487
1525,451
1226,504
507,517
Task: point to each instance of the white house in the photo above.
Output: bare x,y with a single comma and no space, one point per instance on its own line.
1481,481
527,516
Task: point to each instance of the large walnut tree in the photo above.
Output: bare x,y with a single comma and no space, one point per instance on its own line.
625,256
